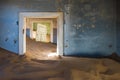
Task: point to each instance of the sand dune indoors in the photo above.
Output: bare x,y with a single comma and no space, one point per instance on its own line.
14,67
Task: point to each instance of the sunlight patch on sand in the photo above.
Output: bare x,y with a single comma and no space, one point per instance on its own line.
53,55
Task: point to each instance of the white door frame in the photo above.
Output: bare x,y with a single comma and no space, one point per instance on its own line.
22,28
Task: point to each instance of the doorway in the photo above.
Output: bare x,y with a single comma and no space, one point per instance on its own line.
22,28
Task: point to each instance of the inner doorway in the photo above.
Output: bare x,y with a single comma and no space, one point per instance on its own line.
22,28
40,38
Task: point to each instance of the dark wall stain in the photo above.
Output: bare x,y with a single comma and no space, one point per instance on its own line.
118,25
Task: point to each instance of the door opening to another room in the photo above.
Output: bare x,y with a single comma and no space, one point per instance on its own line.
42,30
40,38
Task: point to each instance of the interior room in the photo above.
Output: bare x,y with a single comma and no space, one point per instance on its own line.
59,40
41,37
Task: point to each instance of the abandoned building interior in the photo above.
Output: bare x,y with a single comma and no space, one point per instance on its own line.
42,34
59,40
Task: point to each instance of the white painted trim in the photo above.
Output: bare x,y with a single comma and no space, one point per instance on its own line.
22,38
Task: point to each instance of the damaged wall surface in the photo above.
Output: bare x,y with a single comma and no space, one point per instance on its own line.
89,30
92,30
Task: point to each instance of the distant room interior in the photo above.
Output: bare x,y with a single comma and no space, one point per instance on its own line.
41,37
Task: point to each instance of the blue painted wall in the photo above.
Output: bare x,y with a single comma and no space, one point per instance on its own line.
28,33
55,35
92,31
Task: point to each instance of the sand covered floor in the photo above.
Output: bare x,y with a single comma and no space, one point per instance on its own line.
14,67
